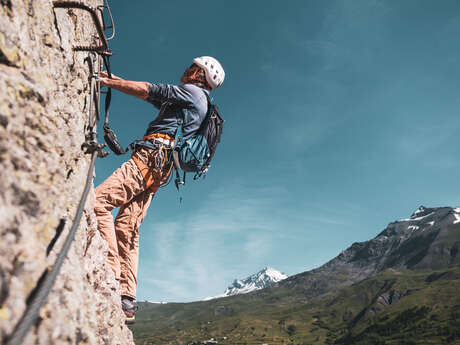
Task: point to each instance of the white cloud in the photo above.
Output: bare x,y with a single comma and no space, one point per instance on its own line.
236,232
198,252
424,139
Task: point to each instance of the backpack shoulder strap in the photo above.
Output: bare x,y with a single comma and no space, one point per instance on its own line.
210,105
180,117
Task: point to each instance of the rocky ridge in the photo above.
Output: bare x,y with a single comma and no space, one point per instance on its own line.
44,98
428,240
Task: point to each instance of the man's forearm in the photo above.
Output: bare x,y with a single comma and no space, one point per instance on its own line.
139,89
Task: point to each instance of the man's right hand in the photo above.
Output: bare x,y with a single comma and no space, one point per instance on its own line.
105,80
139,89
104,74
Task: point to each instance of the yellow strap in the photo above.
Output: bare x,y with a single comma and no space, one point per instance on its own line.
158,135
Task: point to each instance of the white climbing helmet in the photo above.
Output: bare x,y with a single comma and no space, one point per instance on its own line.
215,74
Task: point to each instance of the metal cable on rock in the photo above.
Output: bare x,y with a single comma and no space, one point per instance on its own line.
44,286
30,315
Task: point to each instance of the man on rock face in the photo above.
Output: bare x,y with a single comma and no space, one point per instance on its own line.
132,186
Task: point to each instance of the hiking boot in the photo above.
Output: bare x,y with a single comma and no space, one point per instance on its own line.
129,308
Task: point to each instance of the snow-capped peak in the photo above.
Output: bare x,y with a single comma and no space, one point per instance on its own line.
262,279
418,211
421,213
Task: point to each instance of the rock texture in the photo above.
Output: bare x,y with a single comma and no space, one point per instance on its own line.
44,97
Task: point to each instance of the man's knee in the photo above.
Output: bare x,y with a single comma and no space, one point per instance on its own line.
101,204
124,222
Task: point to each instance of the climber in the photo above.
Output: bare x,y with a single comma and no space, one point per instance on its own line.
132,186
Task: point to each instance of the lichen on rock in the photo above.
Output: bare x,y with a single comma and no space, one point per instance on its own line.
43,113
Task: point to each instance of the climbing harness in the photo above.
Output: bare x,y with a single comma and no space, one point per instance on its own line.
38,297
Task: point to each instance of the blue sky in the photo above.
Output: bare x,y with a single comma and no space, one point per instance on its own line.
341,116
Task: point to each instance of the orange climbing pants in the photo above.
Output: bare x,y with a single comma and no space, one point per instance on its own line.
131,187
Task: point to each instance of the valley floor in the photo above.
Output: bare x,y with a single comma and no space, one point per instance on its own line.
405,307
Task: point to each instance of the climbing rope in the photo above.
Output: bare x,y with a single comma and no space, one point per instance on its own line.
38,297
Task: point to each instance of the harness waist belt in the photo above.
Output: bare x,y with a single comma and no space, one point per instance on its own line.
162,141
160,138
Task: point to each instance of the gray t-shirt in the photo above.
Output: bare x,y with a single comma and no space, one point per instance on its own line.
169,99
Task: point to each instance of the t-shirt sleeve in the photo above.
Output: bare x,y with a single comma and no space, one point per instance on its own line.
157,104
160,93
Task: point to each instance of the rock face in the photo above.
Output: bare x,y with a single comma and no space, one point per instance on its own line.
44,97
428,240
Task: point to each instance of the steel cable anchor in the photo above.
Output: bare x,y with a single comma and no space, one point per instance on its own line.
91,145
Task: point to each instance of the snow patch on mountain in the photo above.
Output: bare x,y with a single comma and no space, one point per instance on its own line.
416,218
420,210
265,278
456,215
421,213
457,218
152,302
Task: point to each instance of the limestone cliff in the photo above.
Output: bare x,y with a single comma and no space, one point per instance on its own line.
44,96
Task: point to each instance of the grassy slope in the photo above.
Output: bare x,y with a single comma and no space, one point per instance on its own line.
427,312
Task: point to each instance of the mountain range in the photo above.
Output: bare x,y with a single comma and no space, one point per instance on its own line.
400,287
429,239
260,280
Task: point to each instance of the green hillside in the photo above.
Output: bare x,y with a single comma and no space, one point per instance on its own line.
393,307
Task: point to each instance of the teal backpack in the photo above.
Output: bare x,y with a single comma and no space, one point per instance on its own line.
195,153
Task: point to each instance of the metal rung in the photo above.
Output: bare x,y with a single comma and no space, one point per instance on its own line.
112,24
97,23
